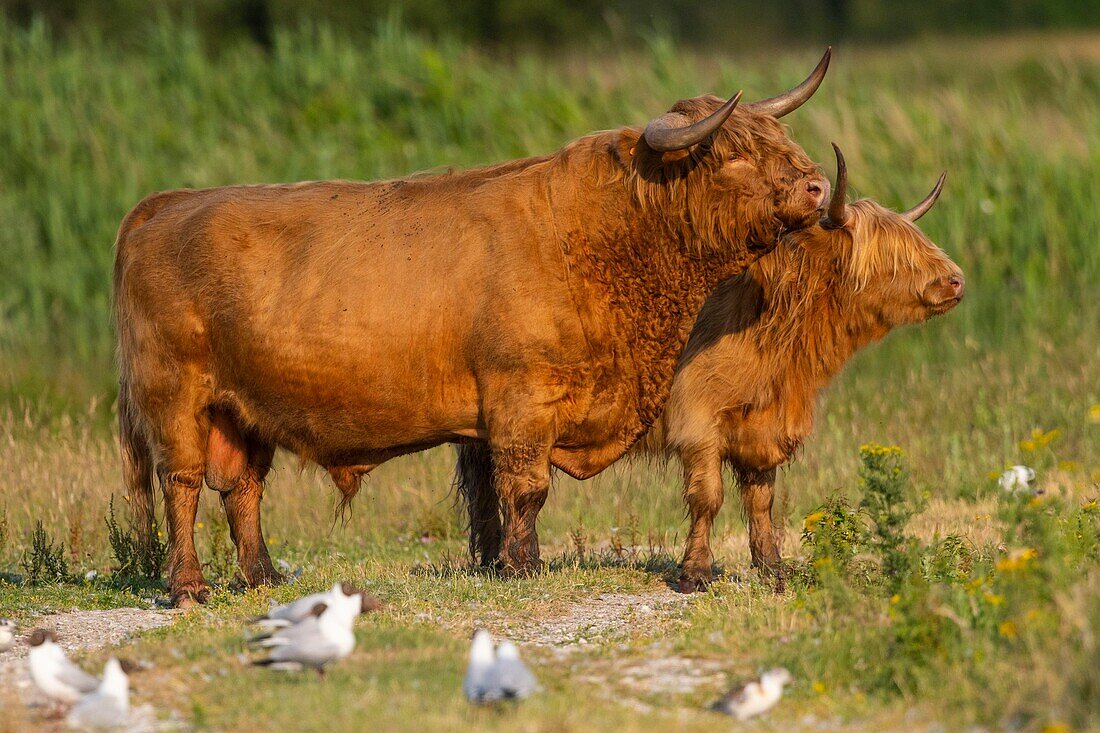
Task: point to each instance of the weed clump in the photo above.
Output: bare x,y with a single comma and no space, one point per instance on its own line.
884,478
45,563
134,559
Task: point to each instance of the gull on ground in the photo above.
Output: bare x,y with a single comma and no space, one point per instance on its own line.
320,638
1017,480
57,677
754,697
7,634
291,613
108,706
496,674
481,661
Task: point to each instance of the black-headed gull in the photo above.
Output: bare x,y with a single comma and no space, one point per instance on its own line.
57,677
291,613
753,698
496,674
7,634
322,637
509,678
108,706
1017,480
481,661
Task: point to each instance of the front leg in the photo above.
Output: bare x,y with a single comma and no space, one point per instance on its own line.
522,482
704,494
757,496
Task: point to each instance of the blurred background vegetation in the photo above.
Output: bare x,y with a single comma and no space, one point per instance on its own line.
575,22
108,101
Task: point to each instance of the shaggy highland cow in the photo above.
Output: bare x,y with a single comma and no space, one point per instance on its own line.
766,344
540,307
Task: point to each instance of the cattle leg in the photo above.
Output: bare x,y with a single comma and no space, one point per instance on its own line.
236,468
757,495
704,494
522,482
474,480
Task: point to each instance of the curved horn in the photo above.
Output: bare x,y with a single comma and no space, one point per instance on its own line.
788,102
922,208
836,215
669,132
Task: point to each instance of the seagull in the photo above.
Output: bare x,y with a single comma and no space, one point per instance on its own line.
1017,479
108,706
7,634
496,674
323,636
57,677
482,657
754,698
291,613
509,678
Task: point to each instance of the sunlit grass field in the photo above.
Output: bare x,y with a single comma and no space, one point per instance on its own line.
1011,376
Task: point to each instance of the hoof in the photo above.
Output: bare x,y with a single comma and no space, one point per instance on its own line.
190,596
521,570
265,576
689,584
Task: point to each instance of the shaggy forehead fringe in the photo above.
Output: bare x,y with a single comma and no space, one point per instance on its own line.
884,244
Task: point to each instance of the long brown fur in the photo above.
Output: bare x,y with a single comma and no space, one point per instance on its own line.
765,345
540,306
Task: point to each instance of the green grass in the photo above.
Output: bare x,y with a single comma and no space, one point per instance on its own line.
87,129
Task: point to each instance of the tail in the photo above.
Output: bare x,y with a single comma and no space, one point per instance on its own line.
476,490
137,469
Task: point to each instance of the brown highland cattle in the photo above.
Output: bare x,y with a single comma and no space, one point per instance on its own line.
766,344
540,306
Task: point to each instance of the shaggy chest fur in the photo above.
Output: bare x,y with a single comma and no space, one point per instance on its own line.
637,305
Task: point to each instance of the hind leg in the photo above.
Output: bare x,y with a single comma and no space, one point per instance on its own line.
178,437
757,495
236,467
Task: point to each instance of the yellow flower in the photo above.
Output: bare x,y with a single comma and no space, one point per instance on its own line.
1056,726
1040,439
993,599
994,475
895,599
1069,466
1089,506
818,687
1016,560
875,449
200,525
1094,413
1007,629
810,522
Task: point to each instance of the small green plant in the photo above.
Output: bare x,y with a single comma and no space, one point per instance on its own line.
3,534
134,558
46,562
884,479
947,561
834,533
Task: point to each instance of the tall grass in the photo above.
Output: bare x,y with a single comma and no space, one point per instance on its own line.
87,128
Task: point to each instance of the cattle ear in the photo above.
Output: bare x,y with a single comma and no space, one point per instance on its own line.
626,147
